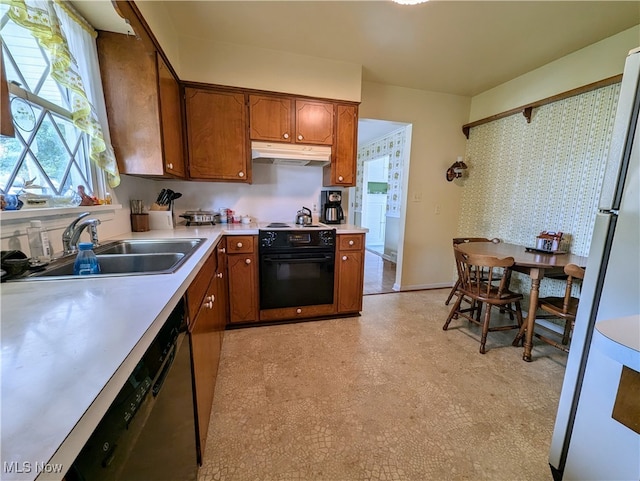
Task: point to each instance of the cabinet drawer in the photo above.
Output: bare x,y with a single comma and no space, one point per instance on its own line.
350,242
302,312
240,244
199,286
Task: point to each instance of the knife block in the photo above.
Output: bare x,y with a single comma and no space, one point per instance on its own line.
160,219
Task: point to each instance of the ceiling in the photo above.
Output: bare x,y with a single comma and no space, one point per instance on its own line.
456,47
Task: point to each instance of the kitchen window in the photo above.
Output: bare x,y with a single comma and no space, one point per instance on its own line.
57,132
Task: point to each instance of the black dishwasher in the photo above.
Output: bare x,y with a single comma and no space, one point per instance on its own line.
148,431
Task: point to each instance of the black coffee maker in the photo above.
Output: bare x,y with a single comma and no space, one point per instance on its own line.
332,212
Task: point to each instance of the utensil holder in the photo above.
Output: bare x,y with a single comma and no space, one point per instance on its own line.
140,222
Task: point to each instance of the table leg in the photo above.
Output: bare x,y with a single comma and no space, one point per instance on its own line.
527,326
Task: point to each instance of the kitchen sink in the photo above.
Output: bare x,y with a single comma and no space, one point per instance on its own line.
150,246
126,258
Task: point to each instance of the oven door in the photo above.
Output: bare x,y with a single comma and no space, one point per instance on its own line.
296,279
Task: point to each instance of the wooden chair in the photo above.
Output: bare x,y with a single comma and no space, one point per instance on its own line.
464,240
563,308
484,280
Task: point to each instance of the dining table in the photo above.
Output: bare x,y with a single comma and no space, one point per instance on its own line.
535,264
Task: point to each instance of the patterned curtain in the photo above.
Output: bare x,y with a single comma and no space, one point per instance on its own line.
39,17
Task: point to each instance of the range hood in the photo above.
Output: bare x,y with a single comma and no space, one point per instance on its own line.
290,154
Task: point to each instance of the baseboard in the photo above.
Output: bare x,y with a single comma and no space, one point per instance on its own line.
422,287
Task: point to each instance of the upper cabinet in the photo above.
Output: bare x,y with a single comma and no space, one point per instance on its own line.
217,138
143,107
314,122
291,120
271,118
342,171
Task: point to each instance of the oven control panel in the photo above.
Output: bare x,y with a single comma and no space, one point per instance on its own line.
288,239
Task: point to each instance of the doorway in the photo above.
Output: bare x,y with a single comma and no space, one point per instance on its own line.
377,201
374,202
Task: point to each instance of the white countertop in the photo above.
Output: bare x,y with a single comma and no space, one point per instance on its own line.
68,346
620,339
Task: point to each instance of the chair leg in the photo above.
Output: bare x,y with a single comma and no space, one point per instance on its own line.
567,330
485,328
453,291
454,311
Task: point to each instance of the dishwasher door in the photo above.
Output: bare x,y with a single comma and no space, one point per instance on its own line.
166,447
149,431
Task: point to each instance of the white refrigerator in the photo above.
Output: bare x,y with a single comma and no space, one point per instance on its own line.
587,442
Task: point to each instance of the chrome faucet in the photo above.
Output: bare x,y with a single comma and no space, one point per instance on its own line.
72,233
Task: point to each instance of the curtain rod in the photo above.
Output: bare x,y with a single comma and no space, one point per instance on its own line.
527,109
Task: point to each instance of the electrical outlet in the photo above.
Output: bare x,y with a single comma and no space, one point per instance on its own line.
417,197
437,209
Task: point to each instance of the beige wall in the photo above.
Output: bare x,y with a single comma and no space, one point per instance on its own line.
263,69
436,141
220,63
161,24
590,64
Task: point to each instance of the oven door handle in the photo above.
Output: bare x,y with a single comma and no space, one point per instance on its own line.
301,260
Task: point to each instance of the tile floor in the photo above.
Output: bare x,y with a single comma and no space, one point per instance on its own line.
379,274
385,396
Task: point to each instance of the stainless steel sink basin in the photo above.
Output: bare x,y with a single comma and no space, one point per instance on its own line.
151,246
126,258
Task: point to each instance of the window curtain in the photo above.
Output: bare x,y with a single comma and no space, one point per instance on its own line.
65,39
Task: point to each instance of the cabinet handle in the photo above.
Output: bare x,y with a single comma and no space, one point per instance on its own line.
169,165
209,298
239,245
222,250
351,242
285,136
300,137
247,261
344,258
219,275
298,311
340,178
240,174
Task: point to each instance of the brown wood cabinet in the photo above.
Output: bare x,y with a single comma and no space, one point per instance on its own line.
217,137
242,278
143,107
270,118
314,122
287,119
349,273
342,170
206,312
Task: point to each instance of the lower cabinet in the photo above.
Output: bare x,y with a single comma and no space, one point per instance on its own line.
242,272
349,273
206,310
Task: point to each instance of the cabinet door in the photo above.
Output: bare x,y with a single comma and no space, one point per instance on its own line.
342,171
171,119
314,122
217,135
350,274
205,354
242,279
130,83
270,118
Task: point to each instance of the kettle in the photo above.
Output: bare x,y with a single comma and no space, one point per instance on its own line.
303,217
